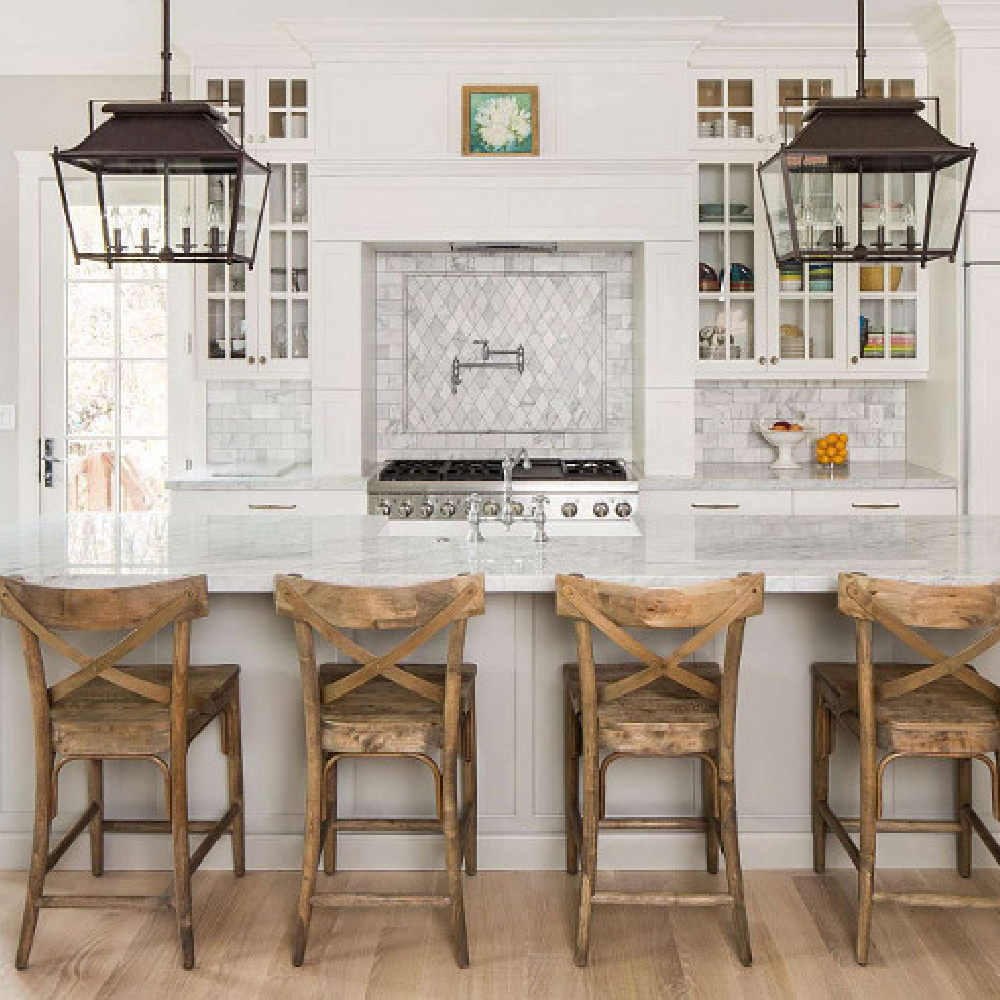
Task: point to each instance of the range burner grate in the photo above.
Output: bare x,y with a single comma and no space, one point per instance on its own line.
433,470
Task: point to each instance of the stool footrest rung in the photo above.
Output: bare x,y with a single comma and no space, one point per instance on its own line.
162,902
335,899
387,825
653,823
663,898
941,899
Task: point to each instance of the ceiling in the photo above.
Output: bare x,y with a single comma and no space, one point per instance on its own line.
109,28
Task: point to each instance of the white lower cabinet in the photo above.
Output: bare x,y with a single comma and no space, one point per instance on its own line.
668,502
905,501
264,502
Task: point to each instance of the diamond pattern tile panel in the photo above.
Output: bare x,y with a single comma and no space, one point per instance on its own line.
560,319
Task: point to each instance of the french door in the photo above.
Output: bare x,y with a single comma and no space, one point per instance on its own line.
103,378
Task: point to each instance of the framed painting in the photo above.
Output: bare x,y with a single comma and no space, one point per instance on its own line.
499,121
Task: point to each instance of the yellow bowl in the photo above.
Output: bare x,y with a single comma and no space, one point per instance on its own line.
873,278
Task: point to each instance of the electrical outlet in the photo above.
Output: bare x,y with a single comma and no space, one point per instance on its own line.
876,416
8,417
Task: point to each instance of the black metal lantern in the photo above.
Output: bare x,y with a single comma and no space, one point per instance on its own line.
162,181
867,179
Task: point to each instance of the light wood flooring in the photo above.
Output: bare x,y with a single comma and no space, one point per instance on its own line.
520,928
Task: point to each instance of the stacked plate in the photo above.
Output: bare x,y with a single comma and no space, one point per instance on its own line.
793,342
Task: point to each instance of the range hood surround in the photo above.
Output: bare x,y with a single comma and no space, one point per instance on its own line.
645,207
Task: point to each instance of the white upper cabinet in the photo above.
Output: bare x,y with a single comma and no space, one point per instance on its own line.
819,320
273,106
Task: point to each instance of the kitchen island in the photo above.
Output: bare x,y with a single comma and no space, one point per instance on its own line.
519,646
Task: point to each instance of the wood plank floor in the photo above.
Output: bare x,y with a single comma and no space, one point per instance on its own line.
520,929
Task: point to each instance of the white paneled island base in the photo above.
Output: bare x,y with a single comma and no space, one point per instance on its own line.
520,647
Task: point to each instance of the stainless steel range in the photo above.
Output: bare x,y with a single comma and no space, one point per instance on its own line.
441,489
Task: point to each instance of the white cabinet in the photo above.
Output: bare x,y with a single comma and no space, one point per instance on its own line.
268,502
257,322
661,503
270,108
817,320
875,501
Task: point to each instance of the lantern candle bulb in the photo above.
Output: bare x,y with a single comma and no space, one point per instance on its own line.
186,243
911,230
880,240
115,225
143,226
838,228
214,231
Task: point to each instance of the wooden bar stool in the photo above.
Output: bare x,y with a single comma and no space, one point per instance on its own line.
381,708
107,711
660,706
941,709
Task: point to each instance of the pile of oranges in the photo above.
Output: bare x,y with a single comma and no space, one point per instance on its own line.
831,449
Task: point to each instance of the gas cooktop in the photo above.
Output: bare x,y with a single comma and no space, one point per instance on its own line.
445,470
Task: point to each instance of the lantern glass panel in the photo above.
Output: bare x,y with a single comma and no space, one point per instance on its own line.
775,204
949,189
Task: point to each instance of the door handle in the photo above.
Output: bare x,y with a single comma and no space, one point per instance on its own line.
272,506
47,462
875,506
715,506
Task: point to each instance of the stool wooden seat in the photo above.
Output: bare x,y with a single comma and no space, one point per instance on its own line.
110,711
382,717
941,708
654,706
379,707
664,715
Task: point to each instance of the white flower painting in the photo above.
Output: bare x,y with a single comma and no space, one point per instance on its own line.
500,121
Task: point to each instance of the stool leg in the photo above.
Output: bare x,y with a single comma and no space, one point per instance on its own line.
310,852
39,855
234,759
470,790
734,873
330,846
588,859
571,777
820,776
182,857
452,847
709,810
963,800
95,789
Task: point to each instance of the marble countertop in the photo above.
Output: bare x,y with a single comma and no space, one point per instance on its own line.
855,475
241,553
299,477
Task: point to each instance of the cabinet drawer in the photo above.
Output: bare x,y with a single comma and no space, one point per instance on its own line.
717,502
264,502
903,501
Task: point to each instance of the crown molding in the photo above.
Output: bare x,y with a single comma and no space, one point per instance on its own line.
969,24
474,167
328,39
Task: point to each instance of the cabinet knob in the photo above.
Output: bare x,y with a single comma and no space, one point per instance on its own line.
251,360
263,360
762,360
854,359
774,360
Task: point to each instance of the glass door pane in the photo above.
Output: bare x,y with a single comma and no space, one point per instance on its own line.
288,310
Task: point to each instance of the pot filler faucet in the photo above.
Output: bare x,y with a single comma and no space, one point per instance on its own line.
510,510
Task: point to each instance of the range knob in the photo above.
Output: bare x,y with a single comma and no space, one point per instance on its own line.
448,509
623,509
517,508
385,507
601,509
406,508
491,508
427,509
569,509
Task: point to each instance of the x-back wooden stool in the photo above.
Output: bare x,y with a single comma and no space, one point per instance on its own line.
940,709
110,711
660,706
379,707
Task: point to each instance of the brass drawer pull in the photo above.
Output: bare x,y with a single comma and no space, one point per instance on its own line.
715,506
272,506
875,506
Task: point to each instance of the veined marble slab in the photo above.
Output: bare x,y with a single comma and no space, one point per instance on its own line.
241,553
854,476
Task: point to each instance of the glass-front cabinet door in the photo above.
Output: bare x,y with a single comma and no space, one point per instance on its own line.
284,342
727,115
731,301
792,94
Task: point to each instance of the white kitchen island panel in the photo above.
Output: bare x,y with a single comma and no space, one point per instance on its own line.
520,647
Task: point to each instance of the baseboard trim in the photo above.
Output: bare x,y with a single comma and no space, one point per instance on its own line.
763,850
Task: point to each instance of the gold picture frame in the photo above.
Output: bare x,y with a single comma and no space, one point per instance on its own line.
499,120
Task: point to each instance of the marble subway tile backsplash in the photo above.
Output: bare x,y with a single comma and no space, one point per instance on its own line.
572,311
256,421
726,416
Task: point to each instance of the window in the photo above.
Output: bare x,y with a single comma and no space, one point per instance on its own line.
116,387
